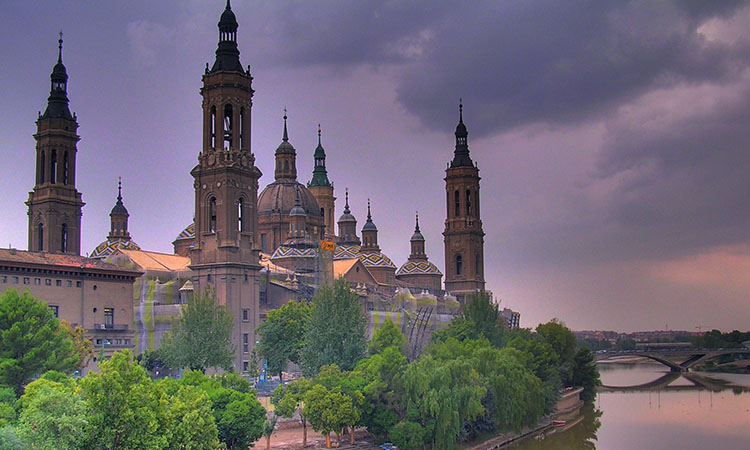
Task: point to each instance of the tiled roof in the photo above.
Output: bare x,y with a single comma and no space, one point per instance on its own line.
60,260
369,259
108,247
187,233
418,268
157,261
292,252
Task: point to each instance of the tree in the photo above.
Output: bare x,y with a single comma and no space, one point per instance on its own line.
335,333
563,342
288,399
126,409
387,336
53,416
281,335
268,427
31,341
485,314
329,411
585,373
202,336
83,348
192,425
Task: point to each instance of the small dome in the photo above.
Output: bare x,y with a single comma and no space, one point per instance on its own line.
119,209
417,236
297,211
286,147
418,268
369,226
228,19
375,259
108,247
187,233
279,198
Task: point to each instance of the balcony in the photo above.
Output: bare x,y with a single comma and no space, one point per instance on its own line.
110,327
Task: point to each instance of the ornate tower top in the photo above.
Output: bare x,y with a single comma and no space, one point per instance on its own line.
57,103
369,224
320,174
286,158
461,156
417,236
227,53
119,217
348,226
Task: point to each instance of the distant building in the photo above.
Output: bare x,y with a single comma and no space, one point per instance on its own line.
513,318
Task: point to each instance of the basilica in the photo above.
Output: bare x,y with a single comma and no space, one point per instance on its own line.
256,248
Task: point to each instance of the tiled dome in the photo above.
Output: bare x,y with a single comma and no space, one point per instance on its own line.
108,247
187,233
369,259
418,268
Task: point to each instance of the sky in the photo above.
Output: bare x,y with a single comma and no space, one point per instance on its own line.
612,137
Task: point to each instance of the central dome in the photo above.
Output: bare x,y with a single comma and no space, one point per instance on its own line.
279,197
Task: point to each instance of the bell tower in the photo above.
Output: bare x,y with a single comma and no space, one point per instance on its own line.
55,204
463,236
225,255
322,189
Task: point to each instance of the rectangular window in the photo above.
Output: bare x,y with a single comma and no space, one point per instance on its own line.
78,284
109,317
37,281
4,278
14,280
58,283
48,282
98,342
246,315
127,341
245,365
263,299
70,283
55,310
263,243
118,341
245,343
26,280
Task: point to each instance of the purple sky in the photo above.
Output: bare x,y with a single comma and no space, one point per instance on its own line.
612,137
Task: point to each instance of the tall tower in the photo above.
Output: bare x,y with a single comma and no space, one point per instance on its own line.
322,189
55,204
463,235
225,255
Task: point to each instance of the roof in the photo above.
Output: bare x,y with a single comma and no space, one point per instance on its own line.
157,261
71,262
110,246
279,197
285,251
418,268
187,233
342,266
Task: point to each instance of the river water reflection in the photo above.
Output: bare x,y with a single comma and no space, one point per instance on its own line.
662,411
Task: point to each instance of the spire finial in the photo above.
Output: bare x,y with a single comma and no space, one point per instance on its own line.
286,135
369,216
461,110
119,189
228,5
416,228
59,47
318,133
346,205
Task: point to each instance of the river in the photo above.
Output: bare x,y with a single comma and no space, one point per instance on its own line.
662,411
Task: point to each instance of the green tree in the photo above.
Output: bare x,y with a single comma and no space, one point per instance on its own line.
485,314
387,336
329,411
83,348
623,344
126,409
289,399
31,341
202,336
335,333
8,403
268,426
192,424
53,417
585,373
282,334
563,342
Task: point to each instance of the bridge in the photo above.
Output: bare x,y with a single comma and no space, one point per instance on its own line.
667,356
663,383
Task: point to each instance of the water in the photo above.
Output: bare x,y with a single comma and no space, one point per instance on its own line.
665,411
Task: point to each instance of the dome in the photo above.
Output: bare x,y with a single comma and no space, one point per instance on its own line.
286,147
108,247
187,233
228,19
417,236
369,259
418,268
369,226
279,198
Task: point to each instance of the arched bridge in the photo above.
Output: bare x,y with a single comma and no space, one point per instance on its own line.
667,356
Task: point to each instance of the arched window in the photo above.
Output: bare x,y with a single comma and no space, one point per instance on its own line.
40,235
286,166
66,168
459,265
228,126
213,127
212,215
458,205
477,264
242,127
53,167
64,238
241,215
468,203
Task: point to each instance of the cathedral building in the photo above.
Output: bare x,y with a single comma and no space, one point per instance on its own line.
119,236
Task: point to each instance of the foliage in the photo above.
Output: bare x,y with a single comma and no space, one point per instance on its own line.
31,341
408,435
192,425
7,406
717,339
563,342
624,344
329,410
83,348
585,374
288,399
335,333
9,439
152,361
486,317
202,337
281,335
126,410
387,336
53,417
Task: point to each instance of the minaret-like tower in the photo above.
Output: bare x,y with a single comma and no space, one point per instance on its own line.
55,204
322,189
286,158
463,235
225,255
370,233
119,218
417,244
418,270
297,222
348,226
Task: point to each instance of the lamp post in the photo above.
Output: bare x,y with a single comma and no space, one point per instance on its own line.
101,352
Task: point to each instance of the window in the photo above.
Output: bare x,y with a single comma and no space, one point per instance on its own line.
64,238
48,282
127,341
245,343
109,317
246,315
58,283
40,235
212,214
66,168
459,265
262,298
37,281
69,283
468,203
245,366
98,342
4,278
241,215
228,126
40,175
26,280
213,127
263,243
78,284
53,167
458,206
14,280
242,127
118,341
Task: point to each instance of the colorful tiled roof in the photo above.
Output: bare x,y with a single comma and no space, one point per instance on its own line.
418,268
346,252
187,233
369,259
291,252
108,247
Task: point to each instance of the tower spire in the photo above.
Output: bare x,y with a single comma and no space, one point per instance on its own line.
286,135
461,156
119,189
59,47
320,174
227,53
416,228
346,204
57,103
